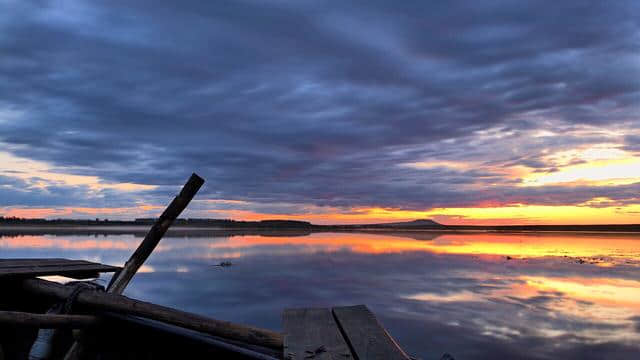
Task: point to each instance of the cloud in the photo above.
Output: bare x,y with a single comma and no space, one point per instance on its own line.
632,143
316,103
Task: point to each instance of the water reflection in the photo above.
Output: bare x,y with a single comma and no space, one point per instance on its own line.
531,296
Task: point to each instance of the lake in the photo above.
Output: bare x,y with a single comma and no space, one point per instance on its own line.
476,296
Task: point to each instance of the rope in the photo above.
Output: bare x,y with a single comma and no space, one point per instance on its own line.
43,346
78,287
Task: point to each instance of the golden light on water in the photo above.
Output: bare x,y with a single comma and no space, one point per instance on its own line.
536,245
603,249
67,243
604,291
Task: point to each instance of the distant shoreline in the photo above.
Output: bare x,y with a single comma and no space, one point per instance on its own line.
130,227
138,225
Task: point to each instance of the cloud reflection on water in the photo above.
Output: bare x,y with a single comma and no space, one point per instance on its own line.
456,293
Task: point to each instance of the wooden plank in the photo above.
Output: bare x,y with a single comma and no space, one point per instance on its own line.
37,261
80,269
312,333
12,263
60,266
366,336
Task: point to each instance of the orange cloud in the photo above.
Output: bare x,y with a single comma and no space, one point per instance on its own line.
26,169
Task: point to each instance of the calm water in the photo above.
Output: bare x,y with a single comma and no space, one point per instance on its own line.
493,296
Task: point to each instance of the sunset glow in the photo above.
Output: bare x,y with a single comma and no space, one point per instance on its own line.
597,172
598,167
43,175
589,213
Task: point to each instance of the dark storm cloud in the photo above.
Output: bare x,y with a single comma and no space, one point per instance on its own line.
311,102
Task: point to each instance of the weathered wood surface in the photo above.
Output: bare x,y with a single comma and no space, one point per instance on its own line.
125,305
312,334
157,231
78,269
365,335
47,321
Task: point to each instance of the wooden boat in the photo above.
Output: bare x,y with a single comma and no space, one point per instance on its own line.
41,319
114,326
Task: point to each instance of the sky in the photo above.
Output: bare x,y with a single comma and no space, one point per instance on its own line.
484,112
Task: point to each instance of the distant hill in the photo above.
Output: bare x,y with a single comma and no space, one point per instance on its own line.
414,223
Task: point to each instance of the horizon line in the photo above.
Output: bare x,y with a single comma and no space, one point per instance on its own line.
399,223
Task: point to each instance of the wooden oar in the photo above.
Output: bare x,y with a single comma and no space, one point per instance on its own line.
123,305
120,280
47,321
157,231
